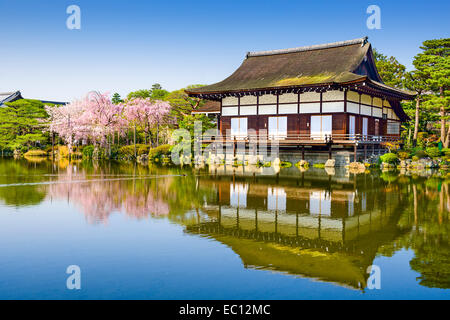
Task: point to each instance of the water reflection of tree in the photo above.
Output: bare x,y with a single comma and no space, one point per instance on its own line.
20,172
141,192
427,217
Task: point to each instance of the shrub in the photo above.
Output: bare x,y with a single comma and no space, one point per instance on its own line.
285,164
261,164
403,155
433,152
319,165
162,150
389,158
88,152
415,158
420,154
36,153
446,151
422,139
128,151
63,151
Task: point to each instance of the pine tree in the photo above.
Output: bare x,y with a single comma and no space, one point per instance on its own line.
116,99
434,64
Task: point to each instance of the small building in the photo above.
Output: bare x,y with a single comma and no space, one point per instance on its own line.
17,95
9,97
318,97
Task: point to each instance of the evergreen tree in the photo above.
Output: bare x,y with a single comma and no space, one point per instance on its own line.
116,98
390,70
434,64
416,82
22,123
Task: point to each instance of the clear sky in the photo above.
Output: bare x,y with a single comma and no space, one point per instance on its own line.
128,45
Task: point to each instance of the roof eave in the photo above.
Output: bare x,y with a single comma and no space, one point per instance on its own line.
312,86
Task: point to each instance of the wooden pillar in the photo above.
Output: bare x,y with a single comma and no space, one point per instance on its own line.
354,152
303,152
365,152
329,151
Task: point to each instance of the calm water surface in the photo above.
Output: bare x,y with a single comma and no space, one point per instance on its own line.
170,233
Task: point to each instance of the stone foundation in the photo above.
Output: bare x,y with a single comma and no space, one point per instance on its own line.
341,158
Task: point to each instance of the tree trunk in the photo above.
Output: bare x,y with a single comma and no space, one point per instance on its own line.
442,115
447,139
416,123
135,155
157,134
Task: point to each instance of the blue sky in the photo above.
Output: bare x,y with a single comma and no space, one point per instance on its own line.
127,45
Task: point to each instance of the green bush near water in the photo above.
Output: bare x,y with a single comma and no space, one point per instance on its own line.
35,153
433,152
162,150
88,152
128,151
391,158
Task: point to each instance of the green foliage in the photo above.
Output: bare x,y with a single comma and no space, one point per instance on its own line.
21,125
163,150
182,104
403,155
446,152
35,153
156,92
419,153
390,158
159,94
390,70
261,164
319,165
433,64
433,152
285,164
143,93
188,123
63,151
128,151
88,152
116,99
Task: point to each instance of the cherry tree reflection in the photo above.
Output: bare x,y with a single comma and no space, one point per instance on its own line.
101,195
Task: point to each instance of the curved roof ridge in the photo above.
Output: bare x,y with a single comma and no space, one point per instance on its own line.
363,41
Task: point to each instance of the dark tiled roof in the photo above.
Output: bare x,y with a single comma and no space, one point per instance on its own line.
9,97
13,96
209,107
333,63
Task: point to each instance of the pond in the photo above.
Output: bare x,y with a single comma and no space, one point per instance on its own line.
149,232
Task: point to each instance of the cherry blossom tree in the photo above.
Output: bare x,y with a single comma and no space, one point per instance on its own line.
147,114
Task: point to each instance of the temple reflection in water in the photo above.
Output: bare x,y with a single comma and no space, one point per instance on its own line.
316,228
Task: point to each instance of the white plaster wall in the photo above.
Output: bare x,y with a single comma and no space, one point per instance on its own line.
229,111
287,108
310,107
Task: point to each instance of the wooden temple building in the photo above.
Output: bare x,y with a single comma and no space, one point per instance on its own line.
320,97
